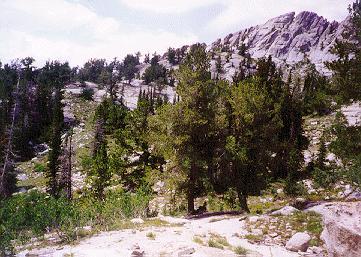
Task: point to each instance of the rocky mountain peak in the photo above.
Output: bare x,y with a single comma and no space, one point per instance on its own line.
288,38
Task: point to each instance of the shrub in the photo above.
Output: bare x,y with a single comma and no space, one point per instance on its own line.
39,167
239,250
324,177
150,235
87,94
213,243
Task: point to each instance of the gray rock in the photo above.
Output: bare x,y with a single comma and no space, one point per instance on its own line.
185,251
285,211
137,221
298,242
342,228
287,37
137,252
356,195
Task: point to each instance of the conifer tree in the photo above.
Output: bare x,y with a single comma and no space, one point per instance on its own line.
55,146
346,84
191,128
100,174
251,139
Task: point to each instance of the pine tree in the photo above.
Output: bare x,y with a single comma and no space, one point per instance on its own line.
189,127
346,84
252,136
100,174
322,152
55,146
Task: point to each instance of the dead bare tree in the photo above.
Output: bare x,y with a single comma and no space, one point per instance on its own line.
67,164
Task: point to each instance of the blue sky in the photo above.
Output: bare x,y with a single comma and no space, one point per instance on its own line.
77,30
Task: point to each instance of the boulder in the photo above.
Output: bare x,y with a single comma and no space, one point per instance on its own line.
342,228
354,196
285,211
298,242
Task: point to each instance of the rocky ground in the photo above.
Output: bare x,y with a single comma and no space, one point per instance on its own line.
225,235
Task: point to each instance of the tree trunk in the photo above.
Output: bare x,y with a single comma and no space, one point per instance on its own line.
68,182
243,201
191,187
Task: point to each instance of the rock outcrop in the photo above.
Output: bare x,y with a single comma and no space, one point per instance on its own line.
288,38
342,228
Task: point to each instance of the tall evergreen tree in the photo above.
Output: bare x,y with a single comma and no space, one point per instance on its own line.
346,84
193,128
251,140
100,174
55,146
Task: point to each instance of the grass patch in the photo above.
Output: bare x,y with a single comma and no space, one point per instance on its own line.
218,241
213,243
252,237
33,214
239,250
150,236
258,207
198,240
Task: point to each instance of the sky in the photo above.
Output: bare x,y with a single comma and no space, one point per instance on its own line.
77,30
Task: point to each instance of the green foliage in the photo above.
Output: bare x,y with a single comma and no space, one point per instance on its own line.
55,145
33,214
325,177
346,147
87,94
215,244
92,70
171,54
128,67
316,98
346,80
151,235
155,73
39,168
240,250
253,137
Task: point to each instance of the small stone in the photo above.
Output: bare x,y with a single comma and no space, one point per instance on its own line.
185,251
273,235
137,221
137,252
257,232
242,218
253,219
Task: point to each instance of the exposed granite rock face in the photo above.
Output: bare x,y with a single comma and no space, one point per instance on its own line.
288,38
342,228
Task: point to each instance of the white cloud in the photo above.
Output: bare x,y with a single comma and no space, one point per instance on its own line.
167,6
245,13
62,30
